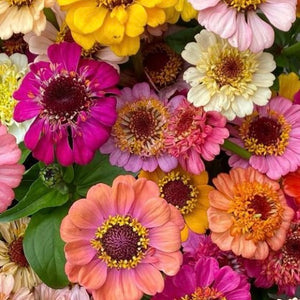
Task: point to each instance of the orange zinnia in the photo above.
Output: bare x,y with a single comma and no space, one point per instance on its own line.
291,185
248,213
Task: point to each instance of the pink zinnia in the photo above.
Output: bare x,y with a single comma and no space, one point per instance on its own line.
137,138
71,101
205,280
282,267
193,134
271,135
119,238
239,22
11,171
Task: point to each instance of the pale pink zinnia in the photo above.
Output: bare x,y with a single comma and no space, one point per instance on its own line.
10,170
137,137
119,238
193,134
271,135
239,22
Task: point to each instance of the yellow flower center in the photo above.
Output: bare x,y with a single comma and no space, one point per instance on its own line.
20,3
244,4
256,211
140,126
121,242
205,293
178,190
231,68
161,64
265,135
111,4
9,82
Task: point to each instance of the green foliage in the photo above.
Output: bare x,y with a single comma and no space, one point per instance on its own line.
43,246
25,152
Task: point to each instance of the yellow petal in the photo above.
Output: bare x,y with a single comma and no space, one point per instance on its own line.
148,3
85,41
120,13
166,3
289,85
172,15
129,46
111,32
184,233
197,221
137,19
89,18
156,16
67,2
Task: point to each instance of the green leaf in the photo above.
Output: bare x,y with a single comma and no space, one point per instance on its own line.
178,40
39,196
50,16
28,178
68,174
43,246
25,152
99,170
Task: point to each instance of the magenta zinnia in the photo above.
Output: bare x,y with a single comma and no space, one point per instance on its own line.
193,134
271,135
119,238
204,281
70,99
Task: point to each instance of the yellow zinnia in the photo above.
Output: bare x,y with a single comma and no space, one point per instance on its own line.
188,193
182,9
289,85
114,23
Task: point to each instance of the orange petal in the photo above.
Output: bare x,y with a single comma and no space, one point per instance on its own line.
218,220
218,200
241,246
223,240
224,184
79,252
262,251
123,197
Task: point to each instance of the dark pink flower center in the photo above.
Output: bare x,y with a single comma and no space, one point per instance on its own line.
291,248
185,121
266,130
120,242
176,193
64,97
261,206
142,124
16,253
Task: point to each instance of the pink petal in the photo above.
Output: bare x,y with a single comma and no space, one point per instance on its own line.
122,197
11,174
6,196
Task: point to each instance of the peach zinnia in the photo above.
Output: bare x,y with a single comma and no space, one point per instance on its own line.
248,213
119,238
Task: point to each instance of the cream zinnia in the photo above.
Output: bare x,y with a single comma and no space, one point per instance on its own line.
225,79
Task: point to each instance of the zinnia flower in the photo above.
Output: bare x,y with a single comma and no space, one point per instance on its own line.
117,24
119,238
289,85
22,16
187,192
6,285
226,79
271,135
10,170
12,258
137,137
71,101
291,185
38,44
193,134
248,213
239,22
205,280
182,9
281,268
12,70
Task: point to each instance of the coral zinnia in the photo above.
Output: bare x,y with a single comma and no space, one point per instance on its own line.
120,237
248,213
239,22
205,280
137,138
226,79
291,185
12,258
10,170
22,16
117,24
271,135
193,134
70,100
188,193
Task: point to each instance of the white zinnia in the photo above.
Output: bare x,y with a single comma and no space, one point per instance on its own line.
225,79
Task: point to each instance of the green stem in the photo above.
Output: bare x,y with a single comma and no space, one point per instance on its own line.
228,145
292,50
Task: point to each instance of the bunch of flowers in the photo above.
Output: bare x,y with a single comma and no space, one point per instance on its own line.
149,149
